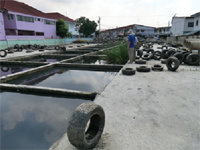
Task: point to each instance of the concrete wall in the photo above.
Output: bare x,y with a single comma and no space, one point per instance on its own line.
2,30
11,43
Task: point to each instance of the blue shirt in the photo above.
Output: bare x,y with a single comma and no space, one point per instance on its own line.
131,39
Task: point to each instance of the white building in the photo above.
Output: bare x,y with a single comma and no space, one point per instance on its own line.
185,25
162,32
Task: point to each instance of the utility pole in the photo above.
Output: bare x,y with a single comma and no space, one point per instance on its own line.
99,27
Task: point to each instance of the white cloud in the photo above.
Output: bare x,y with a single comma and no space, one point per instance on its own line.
120,13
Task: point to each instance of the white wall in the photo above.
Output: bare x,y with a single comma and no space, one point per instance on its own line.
186,28
196,28
177,26
2,29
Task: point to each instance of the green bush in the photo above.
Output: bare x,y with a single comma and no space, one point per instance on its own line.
118,55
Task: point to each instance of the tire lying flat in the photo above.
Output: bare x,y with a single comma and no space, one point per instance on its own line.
143,68
128,71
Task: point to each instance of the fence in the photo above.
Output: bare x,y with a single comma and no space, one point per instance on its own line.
11,43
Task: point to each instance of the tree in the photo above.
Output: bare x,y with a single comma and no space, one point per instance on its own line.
87,27
62,29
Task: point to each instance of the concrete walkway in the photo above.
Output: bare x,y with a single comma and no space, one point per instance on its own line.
150,111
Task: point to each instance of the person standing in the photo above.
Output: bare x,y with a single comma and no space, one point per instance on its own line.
130,48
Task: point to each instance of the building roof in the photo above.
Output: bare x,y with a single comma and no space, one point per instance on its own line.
20,7
196,15
57,15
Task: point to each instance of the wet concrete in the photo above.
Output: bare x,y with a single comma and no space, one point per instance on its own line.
150,111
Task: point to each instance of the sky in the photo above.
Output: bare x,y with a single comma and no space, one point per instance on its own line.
118,13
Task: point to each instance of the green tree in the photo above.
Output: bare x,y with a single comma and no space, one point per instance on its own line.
62,29
86,26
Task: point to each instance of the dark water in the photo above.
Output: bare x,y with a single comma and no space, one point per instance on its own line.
46,60
7,70
92,61
33,122
81,80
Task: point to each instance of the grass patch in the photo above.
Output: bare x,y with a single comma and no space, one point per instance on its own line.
117,55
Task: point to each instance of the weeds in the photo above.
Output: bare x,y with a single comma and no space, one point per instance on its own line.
118,55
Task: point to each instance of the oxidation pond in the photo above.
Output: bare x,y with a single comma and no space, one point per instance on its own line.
34,122
81,80
91,61
7,70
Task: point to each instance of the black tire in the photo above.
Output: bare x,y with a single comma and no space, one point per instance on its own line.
140,53
150,51
163,61
184,57
157,67
10,52
171,52
157,55
57,48
3,53
5,69
140,62
143,69
64,48
179,56
165,54
78,134
147,56
164,47
192,59
16,46
128,71
172,63
29,51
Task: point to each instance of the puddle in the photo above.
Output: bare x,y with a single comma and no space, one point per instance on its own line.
81,80
34,122
7,70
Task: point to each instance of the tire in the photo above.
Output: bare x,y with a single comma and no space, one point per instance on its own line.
140,53
76,131
192,59
157,67
163,61
64,48
16,46
157,55
147,56
128,71
150,51
3,53
29,51
171,53
143,69
5,69
164,47
140,62
172,63
184,57
165,54
57,48
179,56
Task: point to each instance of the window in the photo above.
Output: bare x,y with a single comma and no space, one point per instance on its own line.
10,17
49,22
142,30
24,18
190,24
197,22
38,19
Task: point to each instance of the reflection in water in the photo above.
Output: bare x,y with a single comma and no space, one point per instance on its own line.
81,80
33,122
91,61
6,70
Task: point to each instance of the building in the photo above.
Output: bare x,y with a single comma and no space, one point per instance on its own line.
2,29
162,32
22,21
141,30
70,22
183,26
